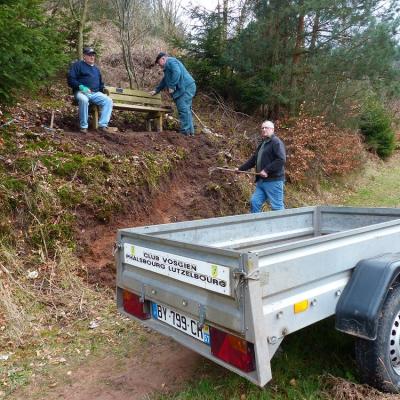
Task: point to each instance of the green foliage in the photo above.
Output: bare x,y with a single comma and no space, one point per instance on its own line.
31,48
375,125
69,197
87,169
320,53
48,184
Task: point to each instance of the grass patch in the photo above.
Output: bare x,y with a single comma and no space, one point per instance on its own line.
13,184
49,318
379,187
298,370
69,197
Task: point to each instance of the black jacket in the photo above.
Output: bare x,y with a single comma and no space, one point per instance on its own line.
273,160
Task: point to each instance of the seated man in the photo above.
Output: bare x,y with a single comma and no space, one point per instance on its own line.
84,78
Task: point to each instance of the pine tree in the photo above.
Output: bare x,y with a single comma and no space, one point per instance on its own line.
31,48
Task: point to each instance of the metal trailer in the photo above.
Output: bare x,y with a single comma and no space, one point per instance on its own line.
232,288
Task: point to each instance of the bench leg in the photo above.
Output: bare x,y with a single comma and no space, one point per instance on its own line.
95,116
159,122
148,125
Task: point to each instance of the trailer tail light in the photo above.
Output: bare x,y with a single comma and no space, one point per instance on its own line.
133,305
233,350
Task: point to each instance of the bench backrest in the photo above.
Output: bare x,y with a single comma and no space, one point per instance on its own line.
132,96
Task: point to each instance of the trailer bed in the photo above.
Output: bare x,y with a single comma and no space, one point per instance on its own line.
259,277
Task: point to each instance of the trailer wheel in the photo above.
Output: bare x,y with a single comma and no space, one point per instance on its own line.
379,360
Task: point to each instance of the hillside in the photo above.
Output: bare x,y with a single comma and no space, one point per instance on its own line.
325,73
63,198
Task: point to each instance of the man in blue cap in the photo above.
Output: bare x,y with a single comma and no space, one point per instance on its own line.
182,88
85,79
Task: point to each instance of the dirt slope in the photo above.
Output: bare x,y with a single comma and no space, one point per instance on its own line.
186,194
160,366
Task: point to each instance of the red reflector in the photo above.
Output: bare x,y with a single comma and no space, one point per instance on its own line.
132,305
233,350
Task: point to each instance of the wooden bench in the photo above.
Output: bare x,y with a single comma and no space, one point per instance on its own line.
140,101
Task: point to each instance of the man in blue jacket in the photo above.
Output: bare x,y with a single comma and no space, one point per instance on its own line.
85,80
182,88
269,160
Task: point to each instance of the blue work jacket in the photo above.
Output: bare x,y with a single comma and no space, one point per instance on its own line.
176,77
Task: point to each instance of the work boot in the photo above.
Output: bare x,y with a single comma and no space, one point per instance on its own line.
103,129
83,130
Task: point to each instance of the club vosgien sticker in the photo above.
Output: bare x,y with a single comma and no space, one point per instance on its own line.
195,272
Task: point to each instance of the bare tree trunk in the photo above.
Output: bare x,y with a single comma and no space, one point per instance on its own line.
225,21
315,29
123,15
126,54
79,10
82,23
243,15
299,46
297,53
132,28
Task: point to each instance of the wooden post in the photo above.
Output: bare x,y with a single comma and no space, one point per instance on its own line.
159,122
95,116
52,120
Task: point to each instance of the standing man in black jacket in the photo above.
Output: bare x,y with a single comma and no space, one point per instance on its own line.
269,161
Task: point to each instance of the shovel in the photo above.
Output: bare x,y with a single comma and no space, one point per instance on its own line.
212,169
205,129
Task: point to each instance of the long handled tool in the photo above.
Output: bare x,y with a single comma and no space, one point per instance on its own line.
211,170
205,128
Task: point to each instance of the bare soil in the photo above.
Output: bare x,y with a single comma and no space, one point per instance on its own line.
183,195
161,366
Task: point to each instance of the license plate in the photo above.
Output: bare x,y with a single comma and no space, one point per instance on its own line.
181,322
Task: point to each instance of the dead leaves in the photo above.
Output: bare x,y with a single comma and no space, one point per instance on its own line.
317,149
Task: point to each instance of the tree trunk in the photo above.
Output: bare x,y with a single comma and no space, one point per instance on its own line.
315,29
79,11
225,21
82,23
296,58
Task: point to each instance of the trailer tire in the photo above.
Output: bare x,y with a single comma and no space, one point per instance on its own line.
379,360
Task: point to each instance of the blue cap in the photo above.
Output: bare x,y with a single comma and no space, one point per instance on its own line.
89,50
159,55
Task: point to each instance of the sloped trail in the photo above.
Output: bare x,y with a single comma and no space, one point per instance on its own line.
181,196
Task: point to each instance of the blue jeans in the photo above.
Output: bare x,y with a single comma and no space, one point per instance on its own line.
271,191
184,106
99,99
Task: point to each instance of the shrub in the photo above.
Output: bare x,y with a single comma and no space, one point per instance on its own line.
375,125
317,149
31,48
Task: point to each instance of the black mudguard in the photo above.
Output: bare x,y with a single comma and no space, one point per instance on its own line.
358,308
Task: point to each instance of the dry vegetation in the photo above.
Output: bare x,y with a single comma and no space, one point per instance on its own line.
342,389
110,57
